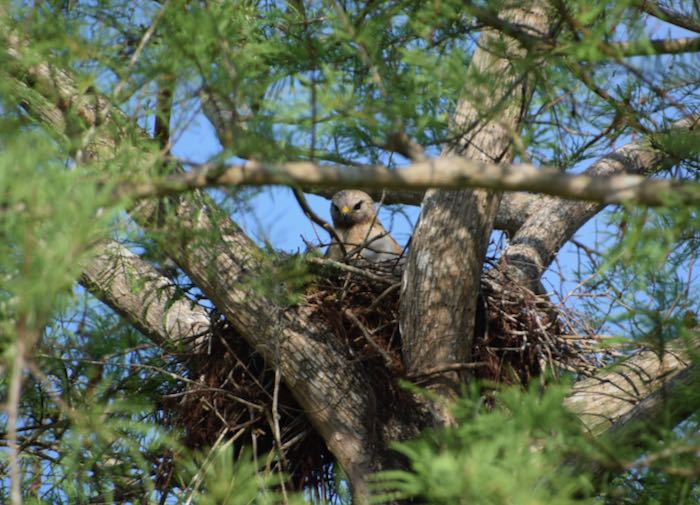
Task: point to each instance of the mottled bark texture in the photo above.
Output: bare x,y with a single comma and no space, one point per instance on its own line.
649,391
145,298
441,280
225,264
554,221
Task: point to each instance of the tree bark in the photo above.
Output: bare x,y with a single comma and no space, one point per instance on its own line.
631,397
555,220
446,172
145,298
441,280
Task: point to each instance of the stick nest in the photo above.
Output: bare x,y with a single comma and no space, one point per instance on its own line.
234,396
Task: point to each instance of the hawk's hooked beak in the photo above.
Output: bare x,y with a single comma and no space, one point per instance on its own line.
345,213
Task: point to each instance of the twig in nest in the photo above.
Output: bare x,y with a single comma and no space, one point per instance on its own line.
301,200
351,269
383,295
453,367
276,431
368,337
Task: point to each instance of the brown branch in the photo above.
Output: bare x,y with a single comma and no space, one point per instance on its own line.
451,237
554,220
656,47
447,173
352,269
308,211
445,368
12,409
388,362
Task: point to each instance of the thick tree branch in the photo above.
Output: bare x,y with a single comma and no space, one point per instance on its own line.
628,399
446,172
225,264
555,220
334,393
145,298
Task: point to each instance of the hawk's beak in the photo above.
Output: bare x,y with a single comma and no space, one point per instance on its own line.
345,212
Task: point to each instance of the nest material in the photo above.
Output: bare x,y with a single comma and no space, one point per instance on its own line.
518,336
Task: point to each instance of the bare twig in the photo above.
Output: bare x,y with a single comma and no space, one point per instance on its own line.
669,15
301,200
383,295
452,367
352,269
276,429
368,337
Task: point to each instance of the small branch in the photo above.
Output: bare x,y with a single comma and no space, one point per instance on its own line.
401,143
383,295
351,269
13,411
164,105
368,337
656,46
276,430
148,34
453,367
301,200
664,13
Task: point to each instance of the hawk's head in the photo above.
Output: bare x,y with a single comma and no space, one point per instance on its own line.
350,207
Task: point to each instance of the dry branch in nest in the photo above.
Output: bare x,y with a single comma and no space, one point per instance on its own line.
519,335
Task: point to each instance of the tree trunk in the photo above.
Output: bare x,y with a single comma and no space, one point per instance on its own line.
441,280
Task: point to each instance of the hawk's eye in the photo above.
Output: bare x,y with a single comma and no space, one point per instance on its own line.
358,205
335,208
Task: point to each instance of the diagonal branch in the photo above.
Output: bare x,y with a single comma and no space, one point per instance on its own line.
555,220
669,15
628,399
225,263
145,298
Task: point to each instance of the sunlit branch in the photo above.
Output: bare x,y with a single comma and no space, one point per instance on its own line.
447,173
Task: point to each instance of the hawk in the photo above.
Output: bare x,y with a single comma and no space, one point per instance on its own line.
357,225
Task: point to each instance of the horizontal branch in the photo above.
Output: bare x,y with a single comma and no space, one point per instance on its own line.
657,46
512,212
446,173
